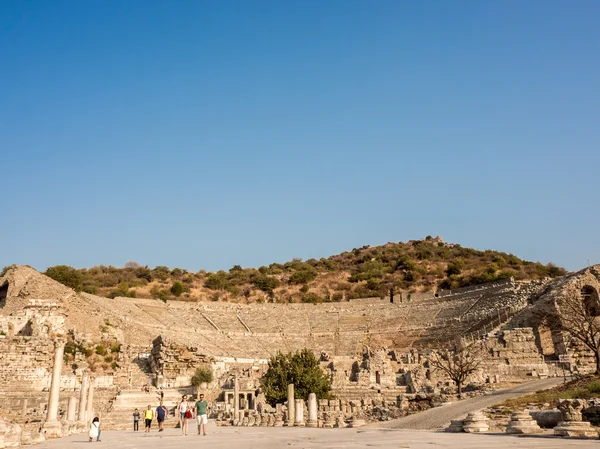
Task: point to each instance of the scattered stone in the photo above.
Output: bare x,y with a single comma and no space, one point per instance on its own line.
456,425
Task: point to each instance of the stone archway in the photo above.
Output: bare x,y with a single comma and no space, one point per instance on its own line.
591,300
3,294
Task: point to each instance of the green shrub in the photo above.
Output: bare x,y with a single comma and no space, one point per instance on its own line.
203,374
303,276
66,275
265,283
177,289
217,281
100,350
312,298
158,293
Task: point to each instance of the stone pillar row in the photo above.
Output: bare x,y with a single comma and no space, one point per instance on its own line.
53,428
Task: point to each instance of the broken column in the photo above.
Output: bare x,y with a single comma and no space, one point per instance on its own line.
278,415
236,400
312,410
52,427
83,398
572,424
522,423
290,406
72,409
299,413
476,422
90,402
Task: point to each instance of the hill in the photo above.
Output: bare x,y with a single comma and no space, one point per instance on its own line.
413,266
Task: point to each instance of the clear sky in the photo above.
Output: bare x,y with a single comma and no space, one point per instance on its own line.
203,134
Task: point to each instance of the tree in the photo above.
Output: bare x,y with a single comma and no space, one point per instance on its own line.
203,374
132,264
265,283
459,362
66,275
177,289
578,317
301,369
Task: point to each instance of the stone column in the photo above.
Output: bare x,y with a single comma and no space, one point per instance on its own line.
290,405
52,428
312,410
24,407
72,410
83,397
236,398
90,402
299,413
59,353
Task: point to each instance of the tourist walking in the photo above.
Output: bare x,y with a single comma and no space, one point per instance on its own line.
202,415
148,415
95,429
161,415
184,414
136,420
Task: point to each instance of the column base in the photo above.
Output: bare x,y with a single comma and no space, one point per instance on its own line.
311,423
53,429
575,429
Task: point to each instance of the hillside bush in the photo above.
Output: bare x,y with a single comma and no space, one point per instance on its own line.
66,275
177,289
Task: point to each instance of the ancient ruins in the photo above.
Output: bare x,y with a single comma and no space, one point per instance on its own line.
67,357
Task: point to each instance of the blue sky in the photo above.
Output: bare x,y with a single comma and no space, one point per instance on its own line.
203,134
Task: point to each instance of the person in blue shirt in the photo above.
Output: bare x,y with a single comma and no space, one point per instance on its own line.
161,415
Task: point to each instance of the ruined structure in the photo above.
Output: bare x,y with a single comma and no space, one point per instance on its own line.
375,351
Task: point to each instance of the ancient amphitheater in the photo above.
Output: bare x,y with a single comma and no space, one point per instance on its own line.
373,348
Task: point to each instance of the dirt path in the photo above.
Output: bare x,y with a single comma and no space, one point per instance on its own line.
440,416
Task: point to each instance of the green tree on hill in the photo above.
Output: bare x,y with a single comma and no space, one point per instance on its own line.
302,369
177,289
66,275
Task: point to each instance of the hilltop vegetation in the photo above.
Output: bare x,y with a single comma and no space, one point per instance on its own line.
418,265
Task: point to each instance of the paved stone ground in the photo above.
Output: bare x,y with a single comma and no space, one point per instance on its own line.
441,416
308,438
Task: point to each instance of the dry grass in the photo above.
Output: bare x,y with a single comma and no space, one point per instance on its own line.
585,388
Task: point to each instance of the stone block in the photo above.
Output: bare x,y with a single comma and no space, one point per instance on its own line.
547,419
456,425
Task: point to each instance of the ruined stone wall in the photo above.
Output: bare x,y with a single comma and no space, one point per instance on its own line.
25,363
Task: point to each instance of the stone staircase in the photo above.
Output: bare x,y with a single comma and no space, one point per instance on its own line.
120,416
141,373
